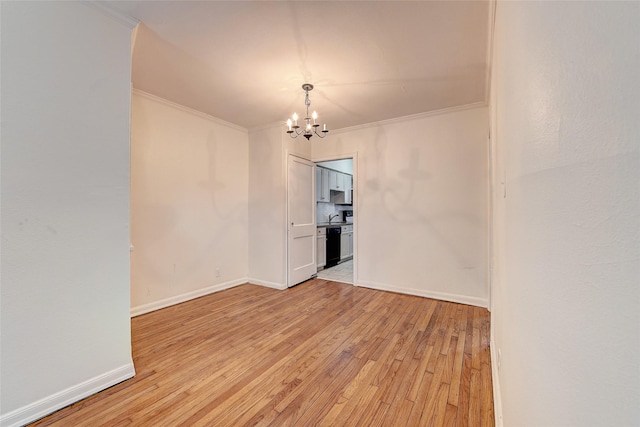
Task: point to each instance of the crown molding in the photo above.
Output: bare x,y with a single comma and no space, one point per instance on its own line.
107,10
412,117
188,110
395,120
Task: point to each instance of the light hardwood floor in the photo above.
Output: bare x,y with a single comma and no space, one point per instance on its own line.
319,354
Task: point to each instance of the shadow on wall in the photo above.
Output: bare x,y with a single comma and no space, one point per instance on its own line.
269,176
213,185
180,211
404,196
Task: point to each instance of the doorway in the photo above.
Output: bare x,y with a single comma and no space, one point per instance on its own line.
336,219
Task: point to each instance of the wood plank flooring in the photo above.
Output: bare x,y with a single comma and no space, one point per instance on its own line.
319,354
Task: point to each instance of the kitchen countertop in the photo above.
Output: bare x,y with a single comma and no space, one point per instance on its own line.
333,224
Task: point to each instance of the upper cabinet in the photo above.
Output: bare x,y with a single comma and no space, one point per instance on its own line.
333,186
348,187
336,181
322,184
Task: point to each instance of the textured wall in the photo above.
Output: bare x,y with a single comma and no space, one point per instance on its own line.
189,196
421,203
565,296
65,205
268,151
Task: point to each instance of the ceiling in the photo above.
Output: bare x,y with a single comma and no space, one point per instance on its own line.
245,61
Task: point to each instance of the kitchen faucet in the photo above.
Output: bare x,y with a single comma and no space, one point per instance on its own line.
331,217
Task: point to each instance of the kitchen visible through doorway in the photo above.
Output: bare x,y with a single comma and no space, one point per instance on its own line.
335,219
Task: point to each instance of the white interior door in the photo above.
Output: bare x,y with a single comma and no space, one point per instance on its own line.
301,220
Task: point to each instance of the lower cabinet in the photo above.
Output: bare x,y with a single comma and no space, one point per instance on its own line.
321,248
346,242
344,245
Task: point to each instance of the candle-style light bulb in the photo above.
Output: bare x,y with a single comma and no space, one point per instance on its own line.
315,116
324,127
295,118
289,123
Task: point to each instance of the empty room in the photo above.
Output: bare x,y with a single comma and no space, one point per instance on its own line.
337,213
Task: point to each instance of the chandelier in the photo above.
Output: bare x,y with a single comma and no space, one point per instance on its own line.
310,126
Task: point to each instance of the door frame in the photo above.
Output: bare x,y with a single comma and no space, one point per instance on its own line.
355,202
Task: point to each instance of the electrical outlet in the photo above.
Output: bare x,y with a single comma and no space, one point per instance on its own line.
217,272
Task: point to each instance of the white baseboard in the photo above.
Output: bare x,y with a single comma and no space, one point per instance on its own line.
59,400
443,296
495,380
267,284
157,305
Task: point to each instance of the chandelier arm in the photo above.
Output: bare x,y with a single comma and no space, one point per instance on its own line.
319,136
294,133
314,131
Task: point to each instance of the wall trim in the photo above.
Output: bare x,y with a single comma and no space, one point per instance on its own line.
495,380
177,299
442,296
479,104
59,400
412,117
189,110
265,283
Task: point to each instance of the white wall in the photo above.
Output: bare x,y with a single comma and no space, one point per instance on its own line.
267,208
421,203
65,206
189,203
268,150
566,299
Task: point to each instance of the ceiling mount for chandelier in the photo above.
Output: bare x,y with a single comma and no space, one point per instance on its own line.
310,125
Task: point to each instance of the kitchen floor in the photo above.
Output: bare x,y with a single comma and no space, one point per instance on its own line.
342,272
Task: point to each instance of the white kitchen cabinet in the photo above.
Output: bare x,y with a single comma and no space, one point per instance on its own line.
346,241
321,249
336,181
344,246
322,184
333,186
318,183
348,186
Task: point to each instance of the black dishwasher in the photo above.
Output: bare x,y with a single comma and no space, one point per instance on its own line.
333,246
